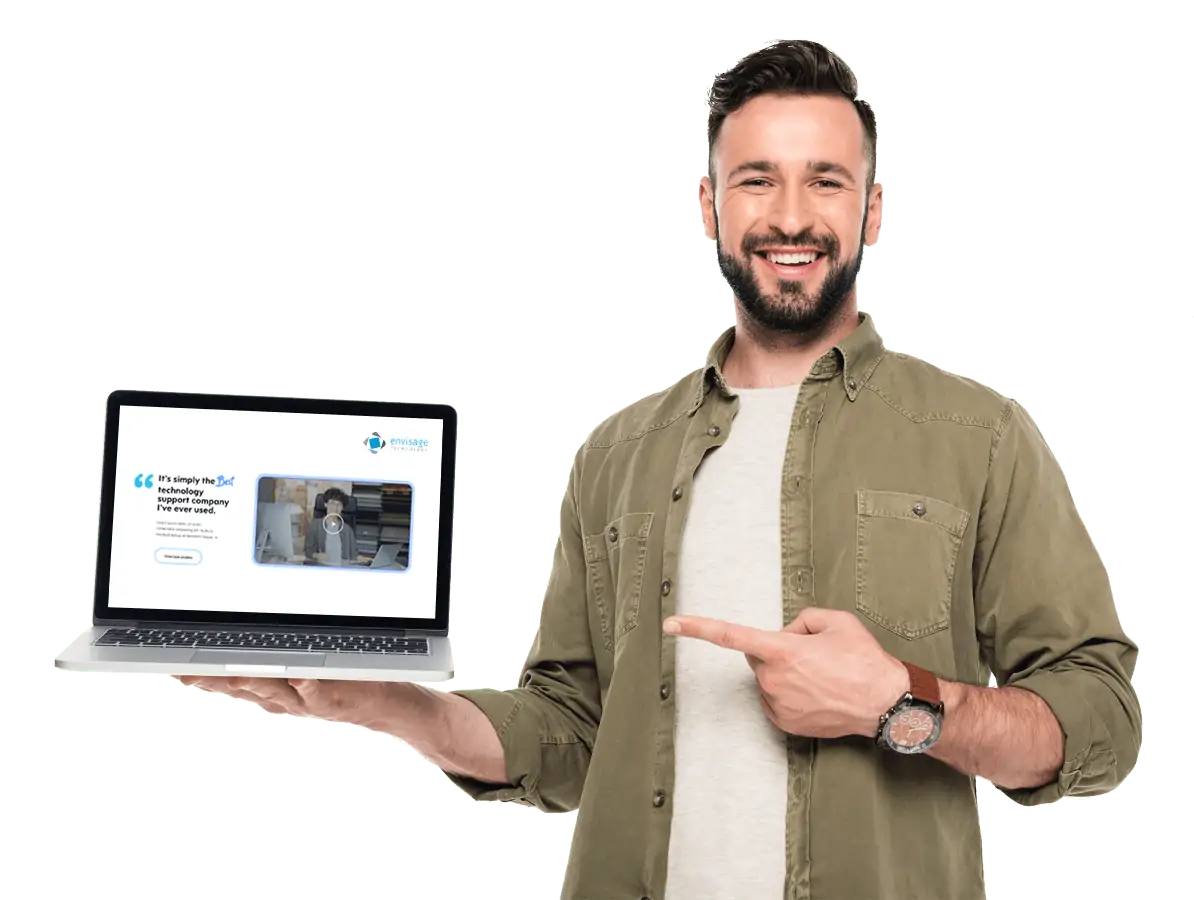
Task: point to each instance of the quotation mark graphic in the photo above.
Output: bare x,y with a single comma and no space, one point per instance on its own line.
143,480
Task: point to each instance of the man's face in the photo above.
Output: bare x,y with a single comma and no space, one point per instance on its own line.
334,507
791,176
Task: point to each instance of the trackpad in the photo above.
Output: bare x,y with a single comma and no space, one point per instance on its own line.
254,659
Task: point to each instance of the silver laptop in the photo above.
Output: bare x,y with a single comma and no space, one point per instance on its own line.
273,536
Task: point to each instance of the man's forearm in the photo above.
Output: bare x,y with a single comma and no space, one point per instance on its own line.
1006,735
447,730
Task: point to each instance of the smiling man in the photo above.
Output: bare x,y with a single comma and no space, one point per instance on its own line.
847,546
849,537
782,585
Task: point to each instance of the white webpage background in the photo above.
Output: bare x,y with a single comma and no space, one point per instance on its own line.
245,445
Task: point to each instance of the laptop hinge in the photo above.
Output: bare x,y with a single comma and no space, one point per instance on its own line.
241,626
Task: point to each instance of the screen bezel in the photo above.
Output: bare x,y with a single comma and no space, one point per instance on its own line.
103,614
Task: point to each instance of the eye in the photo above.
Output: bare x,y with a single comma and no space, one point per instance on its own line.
823,181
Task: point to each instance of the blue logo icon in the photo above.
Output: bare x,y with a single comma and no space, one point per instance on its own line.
374,442
143,480
221,481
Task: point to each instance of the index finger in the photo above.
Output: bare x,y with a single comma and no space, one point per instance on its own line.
754,641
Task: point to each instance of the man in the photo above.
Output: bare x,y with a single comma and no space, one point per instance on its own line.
758,565
330,540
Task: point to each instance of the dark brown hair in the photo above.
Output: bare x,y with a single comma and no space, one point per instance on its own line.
800,68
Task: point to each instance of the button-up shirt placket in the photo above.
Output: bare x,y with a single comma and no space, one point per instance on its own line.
796,547
709,421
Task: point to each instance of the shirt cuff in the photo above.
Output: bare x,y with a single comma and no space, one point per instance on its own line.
520,743
1064,693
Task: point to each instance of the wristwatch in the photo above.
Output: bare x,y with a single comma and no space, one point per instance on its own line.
913,725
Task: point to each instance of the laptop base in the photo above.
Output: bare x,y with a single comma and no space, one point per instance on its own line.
83,656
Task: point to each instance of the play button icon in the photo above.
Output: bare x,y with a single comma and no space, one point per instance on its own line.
333,524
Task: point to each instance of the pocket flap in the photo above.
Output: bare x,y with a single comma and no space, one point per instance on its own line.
628,527
900,505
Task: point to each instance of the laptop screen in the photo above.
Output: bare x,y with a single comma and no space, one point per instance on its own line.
266,515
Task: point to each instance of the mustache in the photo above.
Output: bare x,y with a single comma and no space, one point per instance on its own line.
829,247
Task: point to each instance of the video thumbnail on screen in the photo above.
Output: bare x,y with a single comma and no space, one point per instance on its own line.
329,522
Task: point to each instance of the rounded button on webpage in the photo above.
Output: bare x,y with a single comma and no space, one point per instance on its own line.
333,524
175,557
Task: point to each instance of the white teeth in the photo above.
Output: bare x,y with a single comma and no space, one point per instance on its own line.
791,259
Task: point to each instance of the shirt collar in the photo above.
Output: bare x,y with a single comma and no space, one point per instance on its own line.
854,357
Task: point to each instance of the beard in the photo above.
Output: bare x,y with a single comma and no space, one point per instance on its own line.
794,309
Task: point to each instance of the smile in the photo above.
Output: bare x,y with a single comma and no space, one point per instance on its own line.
792,265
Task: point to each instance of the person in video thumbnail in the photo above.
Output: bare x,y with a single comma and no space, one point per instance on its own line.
331,540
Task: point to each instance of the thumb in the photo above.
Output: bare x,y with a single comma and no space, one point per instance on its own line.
811,620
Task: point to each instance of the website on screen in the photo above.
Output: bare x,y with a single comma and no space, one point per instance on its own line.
245,511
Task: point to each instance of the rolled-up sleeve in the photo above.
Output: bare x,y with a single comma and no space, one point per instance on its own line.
1045,616
548,725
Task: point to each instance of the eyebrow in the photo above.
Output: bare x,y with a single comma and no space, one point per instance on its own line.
816,166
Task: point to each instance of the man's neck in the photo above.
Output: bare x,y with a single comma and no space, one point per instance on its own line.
763,358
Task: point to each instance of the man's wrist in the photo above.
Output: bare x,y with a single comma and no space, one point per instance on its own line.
398,709
895,685
953,693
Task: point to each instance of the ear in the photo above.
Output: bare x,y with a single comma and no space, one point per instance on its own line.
708,212
874,216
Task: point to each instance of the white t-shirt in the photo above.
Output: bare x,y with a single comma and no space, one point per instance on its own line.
334,550
729,804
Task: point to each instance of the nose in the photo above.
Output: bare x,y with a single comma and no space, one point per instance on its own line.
791,213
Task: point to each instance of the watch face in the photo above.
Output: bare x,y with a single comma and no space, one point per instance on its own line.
912,730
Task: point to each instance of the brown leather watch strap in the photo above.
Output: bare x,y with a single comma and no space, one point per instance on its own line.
924,684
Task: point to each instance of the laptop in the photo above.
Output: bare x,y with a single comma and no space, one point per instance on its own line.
274,537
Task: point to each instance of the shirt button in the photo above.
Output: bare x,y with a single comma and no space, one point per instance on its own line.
613,533
714,431
667,588
664,691
659,799
918,508
852,384
677,493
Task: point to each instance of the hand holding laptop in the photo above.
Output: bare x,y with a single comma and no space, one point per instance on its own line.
447,730
355,702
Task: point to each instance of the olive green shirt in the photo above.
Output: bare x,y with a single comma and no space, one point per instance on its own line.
924,502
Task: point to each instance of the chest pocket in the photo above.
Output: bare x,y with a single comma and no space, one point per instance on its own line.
616,558
906,553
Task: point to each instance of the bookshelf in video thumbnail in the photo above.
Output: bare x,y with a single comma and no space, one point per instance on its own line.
383,517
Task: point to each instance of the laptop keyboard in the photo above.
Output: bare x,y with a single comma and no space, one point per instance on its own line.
312,642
